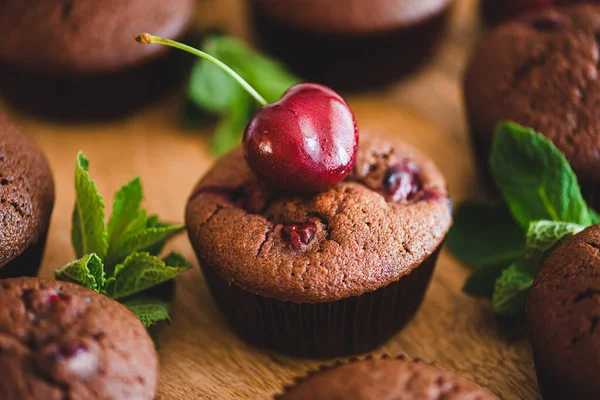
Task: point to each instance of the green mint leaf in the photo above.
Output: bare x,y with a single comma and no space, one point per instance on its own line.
177,260
594,216
87,272
140,240
126,209
482,281
511,291
229,130
154,338
156,248
140,271
544,236
149,310
88,233
485,236
535,178
211,88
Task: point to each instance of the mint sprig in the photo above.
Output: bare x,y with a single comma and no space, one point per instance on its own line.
120,259
543,206
213,91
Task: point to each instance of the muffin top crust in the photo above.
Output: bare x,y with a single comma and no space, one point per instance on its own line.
563,315
60,341
86,36
26,192
541,70
386,378
352,16
384,220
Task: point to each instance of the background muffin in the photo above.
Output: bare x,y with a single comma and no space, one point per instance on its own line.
563,315
77,57
26,202
385,378
541,71
59,340
350,44
330,274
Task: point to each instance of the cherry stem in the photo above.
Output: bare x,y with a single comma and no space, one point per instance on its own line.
146,38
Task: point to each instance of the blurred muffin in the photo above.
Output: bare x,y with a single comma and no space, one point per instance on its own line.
563,319
62,341
26,202
78,57
350,44
385,378
541,71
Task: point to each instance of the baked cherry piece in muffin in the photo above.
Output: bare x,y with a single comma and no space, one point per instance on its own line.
26,202
350,44
61,341
384,378
563,319
541,71
325,274
75,58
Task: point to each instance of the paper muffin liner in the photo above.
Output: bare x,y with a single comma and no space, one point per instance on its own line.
321,330
27,263
354,61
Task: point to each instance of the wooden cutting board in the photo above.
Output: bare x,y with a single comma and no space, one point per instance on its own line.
200,356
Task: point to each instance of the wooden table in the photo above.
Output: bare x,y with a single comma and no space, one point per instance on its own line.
200,356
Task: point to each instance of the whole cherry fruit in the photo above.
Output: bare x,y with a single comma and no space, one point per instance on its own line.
305,142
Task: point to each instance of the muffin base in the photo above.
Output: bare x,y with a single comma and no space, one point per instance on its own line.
350,62
93,96
27,263
322,330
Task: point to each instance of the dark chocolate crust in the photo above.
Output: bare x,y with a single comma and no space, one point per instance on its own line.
541,71
26,201
563,315
86,36
385,378
59,340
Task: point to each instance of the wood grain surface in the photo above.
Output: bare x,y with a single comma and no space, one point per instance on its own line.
200,357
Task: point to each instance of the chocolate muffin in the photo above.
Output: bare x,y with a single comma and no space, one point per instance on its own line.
330,274
350,44
385,378
563,315
77,58
59,340
541,71
26,202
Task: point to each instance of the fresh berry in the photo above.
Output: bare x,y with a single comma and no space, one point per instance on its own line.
306,142
299,234
402,182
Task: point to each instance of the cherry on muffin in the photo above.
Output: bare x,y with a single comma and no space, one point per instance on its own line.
304,143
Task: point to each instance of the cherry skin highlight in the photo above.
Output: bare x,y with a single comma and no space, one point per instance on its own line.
304,143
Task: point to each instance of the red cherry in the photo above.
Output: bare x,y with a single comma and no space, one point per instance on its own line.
299,234
306,142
